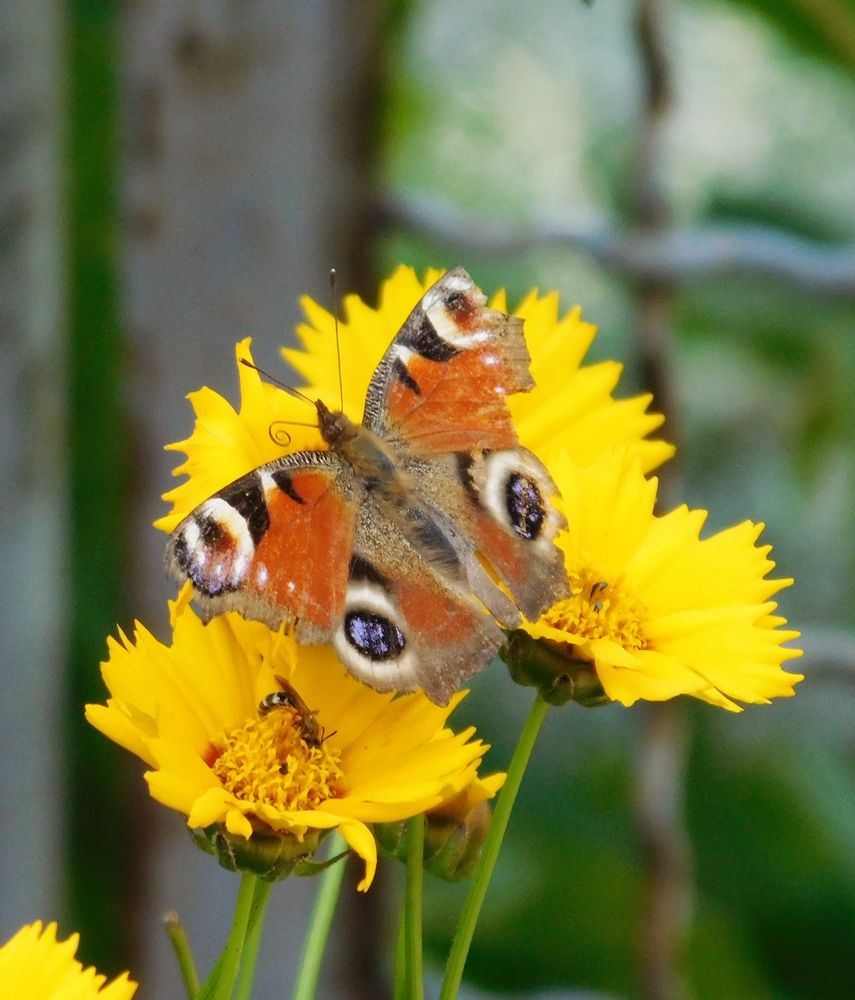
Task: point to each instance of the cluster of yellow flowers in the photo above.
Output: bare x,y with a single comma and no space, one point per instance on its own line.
654,609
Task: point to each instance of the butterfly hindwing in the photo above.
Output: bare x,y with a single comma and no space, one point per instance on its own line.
274,544
409,619
501,503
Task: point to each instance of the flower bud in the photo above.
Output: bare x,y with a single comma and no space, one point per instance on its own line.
454,836
552,670
454,832
271,856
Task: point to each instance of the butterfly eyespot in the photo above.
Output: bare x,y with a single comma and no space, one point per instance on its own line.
456,301
180,552
373,636
525,506
214,535
248,507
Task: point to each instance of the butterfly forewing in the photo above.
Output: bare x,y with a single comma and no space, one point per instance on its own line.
275,544
442,384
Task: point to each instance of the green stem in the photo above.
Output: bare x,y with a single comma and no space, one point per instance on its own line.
400,988
252,943
490,852
181,946
220,983
319,925
413,908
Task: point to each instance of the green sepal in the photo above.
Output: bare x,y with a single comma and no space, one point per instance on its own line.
316,867
390,838
557,676
271,856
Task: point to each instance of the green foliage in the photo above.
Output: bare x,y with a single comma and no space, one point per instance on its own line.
772,837
783,860
821,28
98,846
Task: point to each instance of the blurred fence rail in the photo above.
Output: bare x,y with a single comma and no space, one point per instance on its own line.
674,256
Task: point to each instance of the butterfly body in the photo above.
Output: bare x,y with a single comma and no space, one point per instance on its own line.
391,543
372,460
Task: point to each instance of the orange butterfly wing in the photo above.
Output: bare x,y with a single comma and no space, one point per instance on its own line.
275,544
443,382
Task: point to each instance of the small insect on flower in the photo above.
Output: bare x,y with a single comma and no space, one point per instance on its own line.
312,731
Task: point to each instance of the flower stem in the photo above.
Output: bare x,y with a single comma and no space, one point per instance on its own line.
319,925
490,852
252,942
181,946
413,908
400,988
219,985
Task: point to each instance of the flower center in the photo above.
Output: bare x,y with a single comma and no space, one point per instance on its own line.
597,609
268,761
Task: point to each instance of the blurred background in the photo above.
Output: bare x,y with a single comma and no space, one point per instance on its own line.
174,175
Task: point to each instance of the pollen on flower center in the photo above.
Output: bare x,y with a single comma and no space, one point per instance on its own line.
267,761
600,609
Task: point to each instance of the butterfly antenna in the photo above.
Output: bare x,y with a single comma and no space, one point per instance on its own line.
282,385
337,338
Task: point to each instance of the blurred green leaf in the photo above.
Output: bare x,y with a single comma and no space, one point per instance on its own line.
783,860
823,28
100,844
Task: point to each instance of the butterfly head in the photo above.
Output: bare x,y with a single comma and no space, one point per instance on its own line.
336,429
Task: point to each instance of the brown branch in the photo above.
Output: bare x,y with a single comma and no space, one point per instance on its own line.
665,848
660,777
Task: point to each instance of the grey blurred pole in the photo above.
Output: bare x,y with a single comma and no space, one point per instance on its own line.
247,175
33,477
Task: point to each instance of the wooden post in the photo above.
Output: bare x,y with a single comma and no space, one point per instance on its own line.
34,582
247,176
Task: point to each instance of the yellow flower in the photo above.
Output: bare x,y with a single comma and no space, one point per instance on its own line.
35,966
657,610
190,710
570,406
